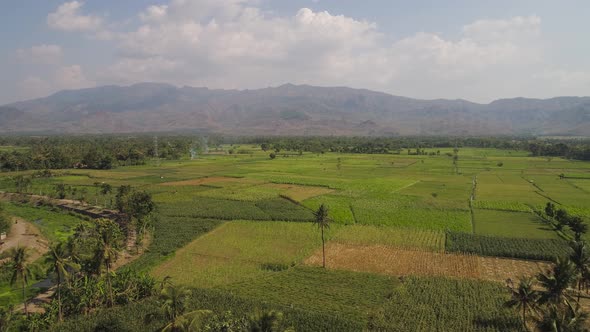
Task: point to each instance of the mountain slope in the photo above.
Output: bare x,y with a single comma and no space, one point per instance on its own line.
288,110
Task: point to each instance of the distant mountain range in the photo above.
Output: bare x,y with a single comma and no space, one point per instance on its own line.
288,110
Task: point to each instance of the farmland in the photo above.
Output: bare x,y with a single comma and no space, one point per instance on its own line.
413,240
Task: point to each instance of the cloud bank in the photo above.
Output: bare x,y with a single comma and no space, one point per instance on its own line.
236,44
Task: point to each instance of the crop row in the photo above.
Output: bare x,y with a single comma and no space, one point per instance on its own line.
540,249
502,206
439,304
205,207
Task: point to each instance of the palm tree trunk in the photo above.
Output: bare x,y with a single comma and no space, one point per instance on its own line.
59,312
524,317
579,291
110,299
25,297
323,250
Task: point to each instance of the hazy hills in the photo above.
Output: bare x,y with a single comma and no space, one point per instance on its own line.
288,110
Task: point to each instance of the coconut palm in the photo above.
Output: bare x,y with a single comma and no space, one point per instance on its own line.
271,321
20,270
323,222
173,301
524,297
581,261
578,226
566,319
556,282
107,251
61,265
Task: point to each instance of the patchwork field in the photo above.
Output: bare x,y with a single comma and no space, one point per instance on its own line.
240,250
414,243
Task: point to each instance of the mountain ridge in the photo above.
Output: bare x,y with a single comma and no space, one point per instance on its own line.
289,109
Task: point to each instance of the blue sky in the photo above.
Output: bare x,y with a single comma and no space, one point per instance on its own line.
476,50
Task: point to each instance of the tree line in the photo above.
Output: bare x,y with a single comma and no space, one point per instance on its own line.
108,151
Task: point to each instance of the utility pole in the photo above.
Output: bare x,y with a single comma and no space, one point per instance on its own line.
156,151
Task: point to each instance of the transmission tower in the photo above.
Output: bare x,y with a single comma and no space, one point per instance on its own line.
156,151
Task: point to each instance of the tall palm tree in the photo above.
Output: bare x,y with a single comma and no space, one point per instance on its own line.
523,297
271,321
566,319
107,251
323,222
61,265
556,282
578,226
581,261
20,270
173,301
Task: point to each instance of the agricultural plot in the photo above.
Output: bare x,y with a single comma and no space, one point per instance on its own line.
240,250
560,191
404,238
402,213
514,206
538,249
399,262
342,293
439,304
171,234
509,186
339,207
512,224
224,209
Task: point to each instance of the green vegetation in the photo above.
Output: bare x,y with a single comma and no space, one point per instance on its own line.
54,224
438,304
344,294
236,227
169,235
540,249
512,224
389,236
240,250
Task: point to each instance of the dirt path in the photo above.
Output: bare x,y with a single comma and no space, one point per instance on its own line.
24,234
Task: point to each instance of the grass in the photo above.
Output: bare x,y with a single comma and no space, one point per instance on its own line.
391,236
514,206
56,225
171,234
340,293
224,209
401,214
524,248
238,251
439,304
230,234
512,224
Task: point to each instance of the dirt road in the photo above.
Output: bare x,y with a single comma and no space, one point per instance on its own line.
24,234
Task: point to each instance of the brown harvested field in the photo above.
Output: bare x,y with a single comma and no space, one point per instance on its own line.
400,262
300,193
200,181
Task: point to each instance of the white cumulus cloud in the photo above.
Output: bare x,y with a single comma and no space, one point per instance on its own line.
237,44
67,17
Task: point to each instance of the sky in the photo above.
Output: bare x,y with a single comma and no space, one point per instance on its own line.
454,49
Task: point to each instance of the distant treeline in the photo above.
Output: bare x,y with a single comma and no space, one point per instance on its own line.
572,148
108,151
93,152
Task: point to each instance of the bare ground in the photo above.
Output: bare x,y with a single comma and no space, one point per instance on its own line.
400,262
24,234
